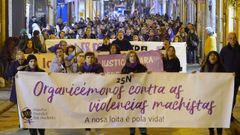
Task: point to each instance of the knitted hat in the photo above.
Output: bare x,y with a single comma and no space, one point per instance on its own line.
30,57
209,30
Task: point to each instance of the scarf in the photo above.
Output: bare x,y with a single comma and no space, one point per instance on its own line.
211,68
132,65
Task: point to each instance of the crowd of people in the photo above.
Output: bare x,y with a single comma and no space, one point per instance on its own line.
148,28
71,59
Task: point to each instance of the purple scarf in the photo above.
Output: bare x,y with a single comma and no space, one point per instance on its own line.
90,68
132,65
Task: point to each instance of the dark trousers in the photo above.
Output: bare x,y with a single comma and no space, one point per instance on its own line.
211,131
191,55
236,86
35,131
143,131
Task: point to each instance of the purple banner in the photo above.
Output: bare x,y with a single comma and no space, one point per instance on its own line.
114,63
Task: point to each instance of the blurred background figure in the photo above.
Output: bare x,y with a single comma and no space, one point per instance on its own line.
210,43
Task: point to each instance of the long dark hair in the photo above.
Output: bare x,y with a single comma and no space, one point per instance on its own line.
207,58
217,67
128,56
28,67
167,57
8,50
33,45
117,47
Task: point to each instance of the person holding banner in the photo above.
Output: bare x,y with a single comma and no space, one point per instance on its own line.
77,66
230,55
171,62
33,67
59,63
105,45
18,65
91,66
123,44
72,51
133,65
114,49
32,64
62,44
213,64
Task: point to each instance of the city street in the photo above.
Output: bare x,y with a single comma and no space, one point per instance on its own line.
172,65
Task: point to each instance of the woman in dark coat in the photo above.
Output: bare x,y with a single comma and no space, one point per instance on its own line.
30,47
18,65
114,49
171,62
32,64
213,64
7,55
105,46
133,65
33,67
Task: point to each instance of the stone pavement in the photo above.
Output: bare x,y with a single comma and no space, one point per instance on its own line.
5,104
9,126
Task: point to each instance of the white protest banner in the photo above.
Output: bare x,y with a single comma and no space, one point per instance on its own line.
180,48
84,44
59,100
92,45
